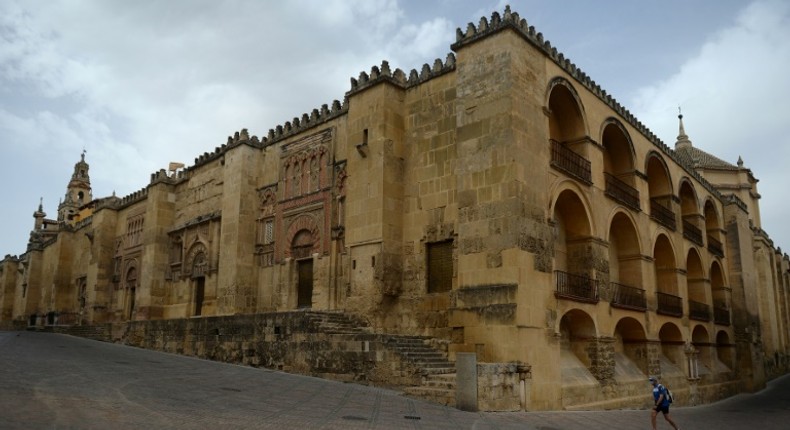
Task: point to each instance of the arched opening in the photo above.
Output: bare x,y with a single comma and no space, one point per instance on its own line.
713,229
700,339
699,308
199,265
720,294
725,351
566,123
660,190
572,247
630,350
577,338
669,301
672,354
618,164
625,264
689,209
301,250
130,285
567,132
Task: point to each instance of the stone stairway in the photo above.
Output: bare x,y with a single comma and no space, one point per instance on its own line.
95,332
438,373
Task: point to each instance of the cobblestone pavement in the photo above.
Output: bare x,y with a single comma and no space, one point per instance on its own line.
50,381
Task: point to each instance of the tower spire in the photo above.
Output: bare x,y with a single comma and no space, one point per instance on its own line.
683,139
78,191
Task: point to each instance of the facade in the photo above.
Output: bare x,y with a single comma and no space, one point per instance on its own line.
498,202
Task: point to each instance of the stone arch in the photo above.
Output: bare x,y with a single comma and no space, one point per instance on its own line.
659,184
720,294
619,160
691,218
672,349
619,154
130,286
713,228
666,278
697,286
631,351
725,350
577,329
689,203
567,121
700,339
625,263
625,249
573,232
198,252
304,237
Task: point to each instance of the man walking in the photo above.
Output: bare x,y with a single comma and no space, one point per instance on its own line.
661,404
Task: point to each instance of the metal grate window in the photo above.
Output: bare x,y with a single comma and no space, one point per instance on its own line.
268,232
440,266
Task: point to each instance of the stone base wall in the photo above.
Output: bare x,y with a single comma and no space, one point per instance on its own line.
15,325
500,388
287,341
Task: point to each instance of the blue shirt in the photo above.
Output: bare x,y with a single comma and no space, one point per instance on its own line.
658,390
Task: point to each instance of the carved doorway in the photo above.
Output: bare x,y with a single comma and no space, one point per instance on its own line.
301,250
131,287
305,286
200,287
199,266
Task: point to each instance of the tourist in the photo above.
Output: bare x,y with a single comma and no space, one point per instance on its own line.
661,402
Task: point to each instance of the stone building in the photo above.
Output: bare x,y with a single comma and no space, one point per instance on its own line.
498,202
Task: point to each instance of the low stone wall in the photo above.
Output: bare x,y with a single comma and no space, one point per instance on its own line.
500,388
287,341
13,325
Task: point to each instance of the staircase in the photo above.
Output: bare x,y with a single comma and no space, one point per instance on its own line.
438,373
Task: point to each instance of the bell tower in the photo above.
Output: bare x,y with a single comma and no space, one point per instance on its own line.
78,192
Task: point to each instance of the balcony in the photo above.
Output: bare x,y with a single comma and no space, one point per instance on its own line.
626,297
669,305
576,287
571,163
721,315
662,215
699,311
715,248
692,232
621,192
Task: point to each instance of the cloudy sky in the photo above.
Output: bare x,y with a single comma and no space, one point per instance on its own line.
139,84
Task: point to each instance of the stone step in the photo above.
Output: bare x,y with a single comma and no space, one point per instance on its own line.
438,370
437,395
433,381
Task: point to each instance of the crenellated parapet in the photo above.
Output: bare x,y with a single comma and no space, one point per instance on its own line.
133,198
512,20
398,78
298,125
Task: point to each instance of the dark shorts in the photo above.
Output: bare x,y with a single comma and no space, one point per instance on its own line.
663,409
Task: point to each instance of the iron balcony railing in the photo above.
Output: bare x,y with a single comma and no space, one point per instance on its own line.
692,232
721,315
699,311
627,297
714,246
669,305
576,287
573,164
622,192
662,215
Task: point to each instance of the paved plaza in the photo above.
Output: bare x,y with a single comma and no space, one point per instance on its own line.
51,381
